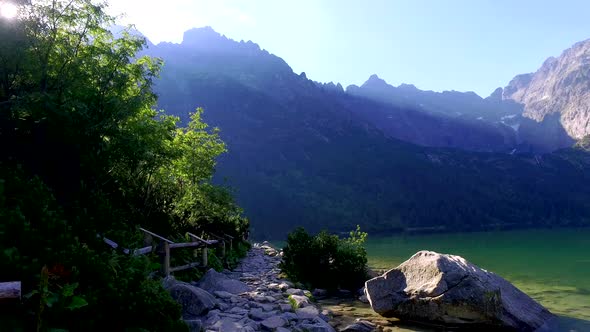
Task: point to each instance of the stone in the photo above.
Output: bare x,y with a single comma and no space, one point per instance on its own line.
363,298
272,323
285,285
194,325
360,326
295,291
299,301
307,313
289,316
447,289
223,294
282,329
193,300
285,307
239,311
214,281
319,293
258,314
318,325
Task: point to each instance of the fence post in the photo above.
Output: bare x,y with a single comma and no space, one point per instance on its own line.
205,253
223,249
166,258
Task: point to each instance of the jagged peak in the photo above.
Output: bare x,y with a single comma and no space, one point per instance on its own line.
374,80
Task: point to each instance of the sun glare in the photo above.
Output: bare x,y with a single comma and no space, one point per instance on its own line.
8,10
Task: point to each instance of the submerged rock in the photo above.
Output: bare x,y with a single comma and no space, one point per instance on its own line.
447,289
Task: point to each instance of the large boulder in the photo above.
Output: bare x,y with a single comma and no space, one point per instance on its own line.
194,300
437,288
214,281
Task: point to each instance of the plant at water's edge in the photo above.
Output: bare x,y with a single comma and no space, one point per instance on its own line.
325,260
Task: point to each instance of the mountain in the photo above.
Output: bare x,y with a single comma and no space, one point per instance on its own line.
310,154
478,124
455,104
557,96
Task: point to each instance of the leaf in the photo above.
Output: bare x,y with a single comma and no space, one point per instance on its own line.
52,299
77,303
68,290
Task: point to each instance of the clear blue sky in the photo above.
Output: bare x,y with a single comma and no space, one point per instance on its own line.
465,45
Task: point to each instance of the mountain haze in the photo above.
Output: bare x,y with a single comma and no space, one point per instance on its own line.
310,154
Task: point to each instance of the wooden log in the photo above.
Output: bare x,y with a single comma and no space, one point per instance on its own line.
166,259
155,235
142,251
205,256
10,290
196,238
184,267
186,245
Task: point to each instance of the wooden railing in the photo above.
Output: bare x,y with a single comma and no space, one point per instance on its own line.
10,291
166,245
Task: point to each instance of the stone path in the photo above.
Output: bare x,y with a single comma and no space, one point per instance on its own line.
253,297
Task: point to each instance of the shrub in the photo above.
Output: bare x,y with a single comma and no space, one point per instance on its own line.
325,260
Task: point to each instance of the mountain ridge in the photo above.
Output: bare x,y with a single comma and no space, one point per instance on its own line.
308,154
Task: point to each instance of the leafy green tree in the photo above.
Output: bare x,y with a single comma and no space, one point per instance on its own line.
88,154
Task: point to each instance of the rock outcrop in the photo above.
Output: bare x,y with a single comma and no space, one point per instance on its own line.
561,86
446,289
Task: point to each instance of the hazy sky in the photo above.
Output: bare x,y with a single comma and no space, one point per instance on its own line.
463,45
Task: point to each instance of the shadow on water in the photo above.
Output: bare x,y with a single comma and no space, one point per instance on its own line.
566,324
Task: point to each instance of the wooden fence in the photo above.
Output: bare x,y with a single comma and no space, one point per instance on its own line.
163,246
10,291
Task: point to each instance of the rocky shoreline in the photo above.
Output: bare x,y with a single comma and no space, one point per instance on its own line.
253,297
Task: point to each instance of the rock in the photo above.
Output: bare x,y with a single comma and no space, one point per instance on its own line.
194,301
360,326
223,294
307,313
285,285
318,325
295,291
282,329
438,288
363,298
289,316
215,281
285,307
258,314
319,293
299,301
194,325
274,322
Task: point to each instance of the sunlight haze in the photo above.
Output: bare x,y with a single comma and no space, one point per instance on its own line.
452,45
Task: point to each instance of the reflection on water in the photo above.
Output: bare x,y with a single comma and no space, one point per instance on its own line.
551,266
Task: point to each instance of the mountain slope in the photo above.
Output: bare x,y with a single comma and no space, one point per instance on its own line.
558,94
301,153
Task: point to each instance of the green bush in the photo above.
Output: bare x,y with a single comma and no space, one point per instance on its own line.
325,260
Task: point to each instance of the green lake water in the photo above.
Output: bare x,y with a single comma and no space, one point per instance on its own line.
551,266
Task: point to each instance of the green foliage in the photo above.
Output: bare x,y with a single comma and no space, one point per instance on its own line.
325,260
88,155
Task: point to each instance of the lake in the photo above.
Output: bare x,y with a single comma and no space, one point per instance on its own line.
551,266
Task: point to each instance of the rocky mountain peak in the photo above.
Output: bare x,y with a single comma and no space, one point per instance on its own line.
561,86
